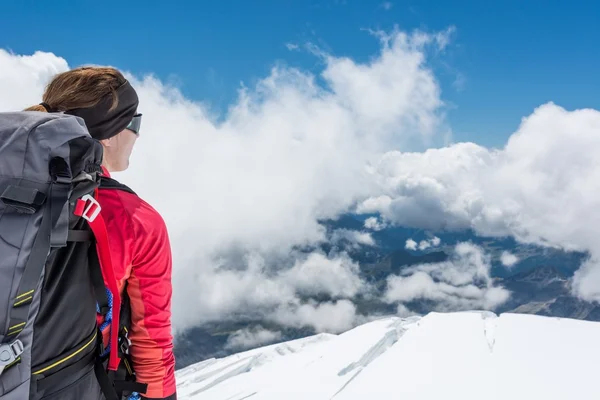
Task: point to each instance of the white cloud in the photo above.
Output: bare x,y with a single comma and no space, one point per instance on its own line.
250,338
368,91
587,279
432,190
443,38
423,244
290,152
508,259
403,311
374,204
462,283
23,77
375,224
223,289
255,285
356,238
333,317
239,194
292,46
541,188
318,274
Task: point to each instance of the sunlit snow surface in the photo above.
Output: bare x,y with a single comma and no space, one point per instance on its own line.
468,355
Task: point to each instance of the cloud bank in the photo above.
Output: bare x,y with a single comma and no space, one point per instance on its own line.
240,193
288,153
462,283
541,188
250,338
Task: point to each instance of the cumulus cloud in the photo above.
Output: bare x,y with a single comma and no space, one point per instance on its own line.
288,154
261,287
23,77
355,238
540,188
251,338
508,259
375,224
403,311
423,244
333,317
240,191
462,283
318,274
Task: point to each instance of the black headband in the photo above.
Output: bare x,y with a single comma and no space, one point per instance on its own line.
47,107
102,123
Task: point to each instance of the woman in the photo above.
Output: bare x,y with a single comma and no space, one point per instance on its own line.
139,243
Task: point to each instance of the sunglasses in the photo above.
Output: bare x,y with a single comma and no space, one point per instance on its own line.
135,124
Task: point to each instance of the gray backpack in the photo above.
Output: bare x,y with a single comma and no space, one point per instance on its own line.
49,164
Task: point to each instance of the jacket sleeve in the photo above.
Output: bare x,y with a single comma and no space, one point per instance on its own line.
150,289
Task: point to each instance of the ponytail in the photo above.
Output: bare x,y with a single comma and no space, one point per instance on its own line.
37,107
42,107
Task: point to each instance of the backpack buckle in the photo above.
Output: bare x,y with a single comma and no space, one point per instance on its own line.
92,209
124,345
124,341
9,353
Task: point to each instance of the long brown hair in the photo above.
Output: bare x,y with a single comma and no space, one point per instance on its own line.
81,87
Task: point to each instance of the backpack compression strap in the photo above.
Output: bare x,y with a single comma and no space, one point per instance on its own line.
88,208
30,201
58,197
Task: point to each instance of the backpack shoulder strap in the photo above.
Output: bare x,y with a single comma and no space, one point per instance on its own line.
110,183
121,376
89,208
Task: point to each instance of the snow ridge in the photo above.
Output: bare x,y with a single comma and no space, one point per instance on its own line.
247,365
211,372
398,328
440,355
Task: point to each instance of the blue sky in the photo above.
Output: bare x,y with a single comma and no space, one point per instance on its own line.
505,58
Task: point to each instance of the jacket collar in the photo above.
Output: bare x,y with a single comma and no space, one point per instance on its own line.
105,172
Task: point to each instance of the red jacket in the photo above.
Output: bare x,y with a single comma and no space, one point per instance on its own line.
141,257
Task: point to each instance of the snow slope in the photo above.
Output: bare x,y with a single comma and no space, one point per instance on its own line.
467,355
